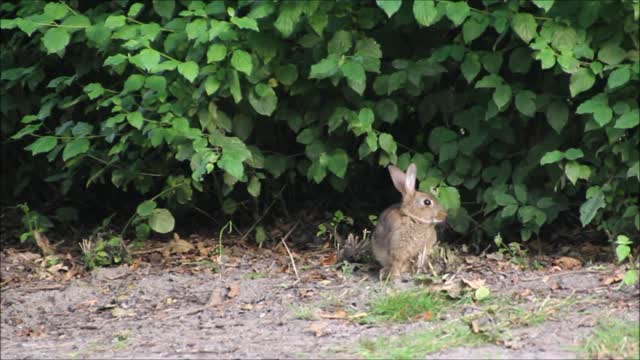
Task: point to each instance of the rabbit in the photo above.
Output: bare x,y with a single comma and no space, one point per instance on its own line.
405,229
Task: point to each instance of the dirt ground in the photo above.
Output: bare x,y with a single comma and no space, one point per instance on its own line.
254,306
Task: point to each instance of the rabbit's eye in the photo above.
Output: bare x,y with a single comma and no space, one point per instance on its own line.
427,202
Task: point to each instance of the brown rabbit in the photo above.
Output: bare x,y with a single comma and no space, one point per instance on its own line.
405,229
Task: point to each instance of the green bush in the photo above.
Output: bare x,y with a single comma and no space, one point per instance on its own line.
516,112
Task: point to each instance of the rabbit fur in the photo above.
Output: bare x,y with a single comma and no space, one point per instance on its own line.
406,228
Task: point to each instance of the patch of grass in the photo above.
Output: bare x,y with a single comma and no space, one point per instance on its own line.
417,344
406,306
255,275
613,339
302,312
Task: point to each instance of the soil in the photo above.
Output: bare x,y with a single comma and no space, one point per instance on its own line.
255,306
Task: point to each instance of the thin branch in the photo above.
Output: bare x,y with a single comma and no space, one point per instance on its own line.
293,263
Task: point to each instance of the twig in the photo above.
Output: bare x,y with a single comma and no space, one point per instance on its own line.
295,270
562,274
147,251
266,211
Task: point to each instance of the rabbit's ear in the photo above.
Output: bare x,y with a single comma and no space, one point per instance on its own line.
410,180
398,178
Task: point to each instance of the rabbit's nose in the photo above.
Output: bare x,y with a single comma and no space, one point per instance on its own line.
441,216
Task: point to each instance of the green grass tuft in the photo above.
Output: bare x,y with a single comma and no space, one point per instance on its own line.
613,339
406,306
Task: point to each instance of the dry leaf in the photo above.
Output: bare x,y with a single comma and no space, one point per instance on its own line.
215,298
567,263
340,314
474,284
43,243
234,290
247,307
177,245
617,276
495,256
426,316
357,315
305,292
318,328
120,312
329,259
135,265
475,328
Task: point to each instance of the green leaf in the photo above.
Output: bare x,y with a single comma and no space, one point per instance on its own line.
161,220
557,115
628,120
544,4
502,95
134,83
387,143
134,10
611,54
55,39
449,198
216,52
387,110
524,24
196,29
589,208
275,164
482,293
55,11
390,7
115,21
189,70
42,145
457,12
572,170
82,129
340,43
619,77
425,12
448,151
503,199
337,162
489,81
325,68
526,103
164,8
148,59
74,148
474,27
520,60
630,277
254,187
266,104
93,90
27,130
552,157
156,83
470,67
211,85
245,23
573,154
599,107
356,78
234,86
509,211
582,80
287,74
241,61
146,208
135,119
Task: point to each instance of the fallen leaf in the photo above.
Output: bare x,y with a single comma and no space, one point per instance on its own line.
234,290
475,328
177,245
215,298
567,263
247,307
617,276
474,284
318,328
340,314
43,243
305,292
495,256
120,312
357,315
470,259
135,265
426,316
329,259
525,293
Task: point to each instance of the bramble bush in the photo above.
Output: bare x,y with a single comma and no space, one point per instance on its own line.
519,114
